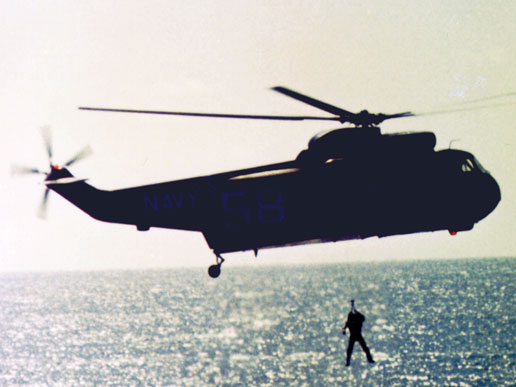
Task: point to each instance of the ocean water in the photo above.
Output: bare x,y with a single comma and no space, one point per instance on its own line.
428,323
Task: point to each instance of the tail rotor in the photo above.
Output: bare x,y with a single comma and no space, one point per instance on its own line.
82,154
53,175
42,211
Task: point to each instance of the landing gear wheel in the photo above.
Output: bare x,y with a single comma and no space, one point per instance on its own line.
214,270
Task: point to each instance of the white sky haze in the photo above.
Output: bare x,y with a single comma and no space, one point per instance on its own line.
224,57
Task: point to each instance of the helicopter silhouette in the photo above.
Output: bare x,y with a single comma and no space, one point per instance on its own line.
350,183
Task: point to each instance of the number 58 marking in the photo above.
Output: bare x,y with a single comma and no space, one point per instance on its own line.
269,208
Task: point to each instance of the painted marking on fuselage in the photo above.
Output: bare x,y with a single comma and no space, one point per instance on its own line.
242,209
170,201
150,202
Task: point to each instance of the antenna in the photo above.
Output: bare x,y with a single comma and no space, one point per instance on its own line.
452,141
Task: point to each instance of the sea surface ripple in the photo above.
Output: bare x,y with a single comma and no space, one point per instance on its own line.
428,323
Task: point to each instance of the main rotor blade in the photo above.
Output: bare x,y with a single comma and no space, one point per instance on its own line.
47,139
447,111
314,102
215,115
399,115
85,152
366,118
498,96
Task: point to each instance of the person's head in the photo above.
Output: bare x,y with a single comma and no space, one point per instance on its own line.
353,305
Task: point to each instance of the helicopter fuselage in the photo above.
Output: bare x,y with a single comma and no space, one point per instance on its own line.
353,195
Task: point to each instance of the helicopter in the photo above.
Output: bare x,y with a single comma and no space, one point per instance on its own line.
350,183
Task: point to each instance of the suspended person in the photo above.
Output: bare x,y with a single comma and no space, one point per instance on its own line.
354,324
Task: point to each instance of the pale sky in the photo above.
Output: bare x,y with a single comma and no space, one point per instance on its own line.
223,57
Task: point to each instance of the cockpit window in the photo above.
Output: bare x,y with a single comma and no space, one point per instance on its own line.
468,165
471,164
479,166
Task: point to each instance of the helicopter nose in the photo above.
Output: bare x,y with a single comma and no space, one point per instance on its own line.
491,195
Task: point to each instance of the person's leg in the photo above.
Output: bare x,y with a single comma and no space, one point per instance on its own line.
350,349
366,350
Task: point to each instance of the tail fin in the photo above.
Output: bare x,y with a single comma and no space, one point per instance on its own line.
91,200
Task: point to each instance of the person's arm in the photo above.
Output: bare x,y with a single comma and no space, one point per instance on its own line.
344,327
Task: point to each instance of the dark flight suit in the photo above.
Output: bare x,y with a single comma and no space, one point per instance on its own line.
354,323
